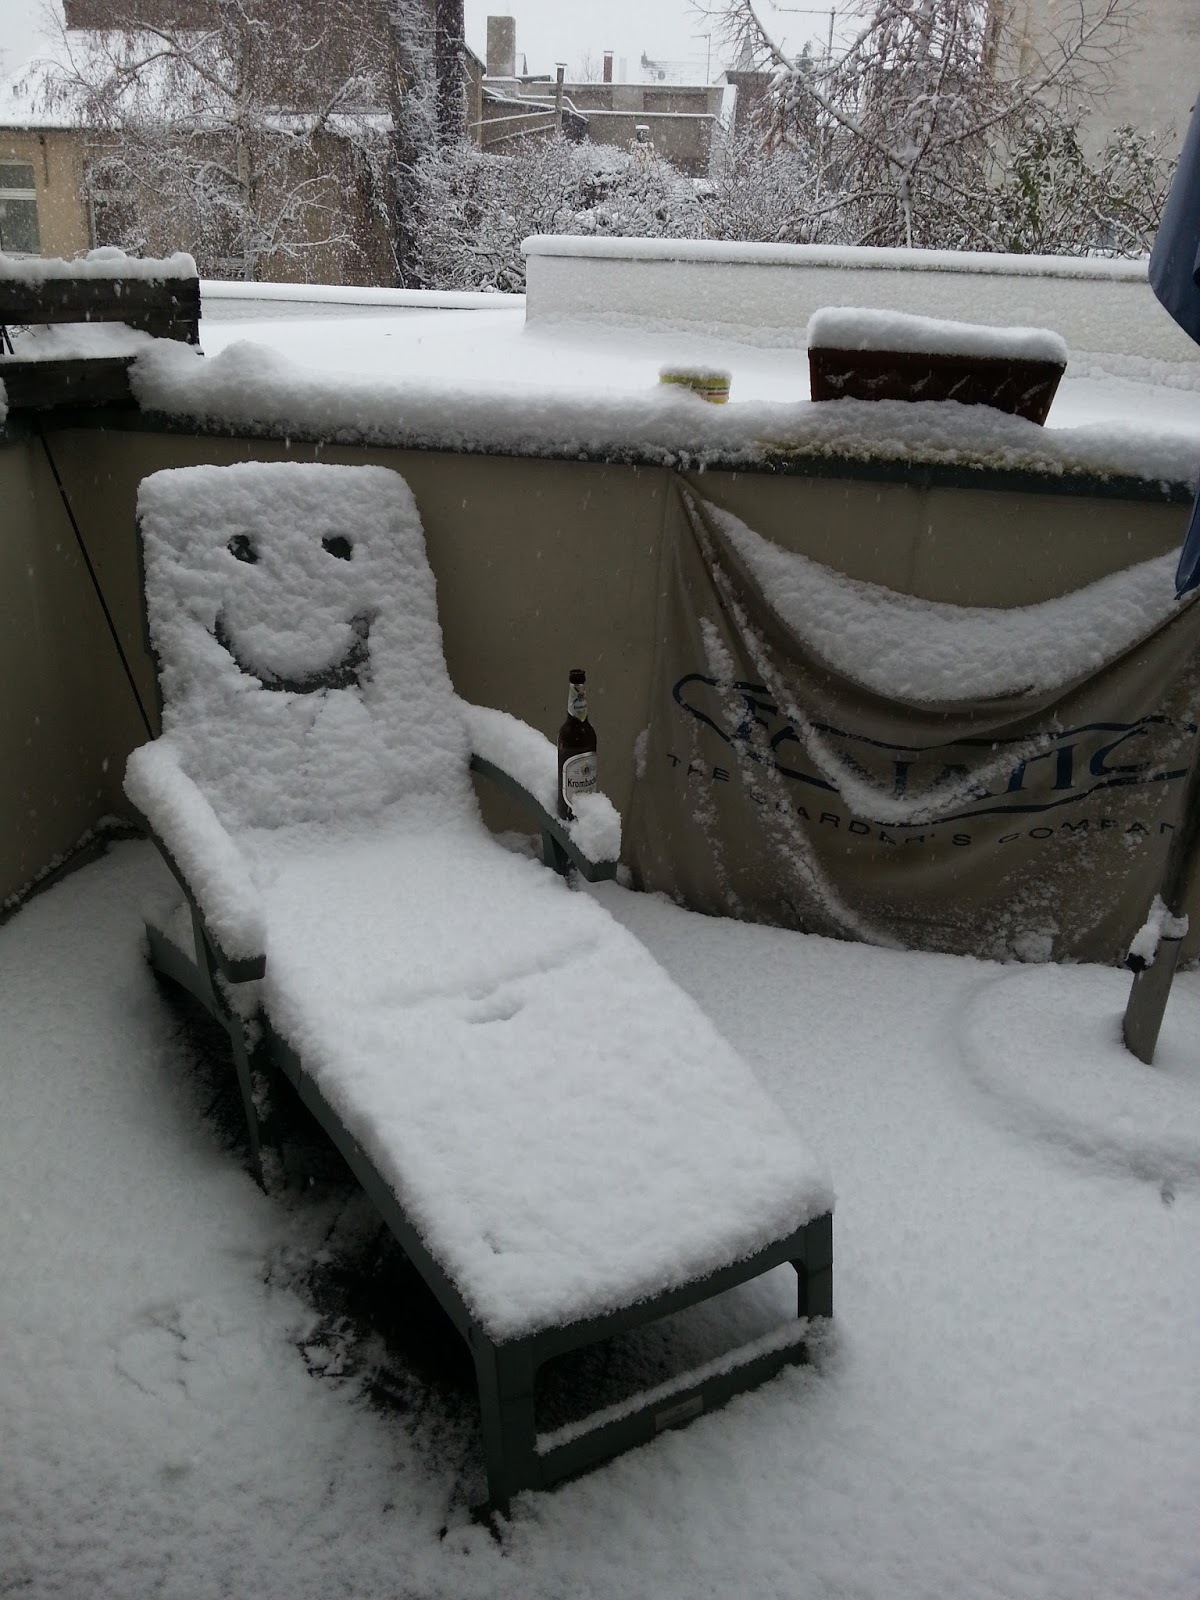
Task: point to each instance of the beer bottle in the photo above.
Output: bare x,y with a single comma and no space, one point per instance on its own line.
576,748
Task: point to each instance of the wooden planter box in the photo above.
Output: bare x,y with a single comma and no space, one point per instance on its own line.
168,308
1021,387
863,353
69,381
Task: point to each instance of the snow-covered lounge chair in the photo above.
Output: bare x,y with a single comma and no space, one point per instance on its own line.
558,1138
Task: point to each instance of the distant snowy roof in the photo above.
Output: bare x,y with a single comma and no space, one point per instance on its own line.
23,99
31,98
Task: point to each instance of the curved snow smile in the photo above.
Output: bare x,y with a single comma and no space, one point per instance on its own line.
342,673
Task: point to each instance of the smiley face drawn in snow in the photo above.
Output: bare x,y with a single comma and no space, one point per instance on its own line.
304,649
294,617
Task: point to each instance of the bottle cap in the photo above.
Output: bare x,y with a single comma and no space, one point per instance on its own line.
578,675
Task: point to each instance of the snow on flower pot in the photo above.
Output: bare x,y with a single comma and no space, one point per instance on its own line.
890,355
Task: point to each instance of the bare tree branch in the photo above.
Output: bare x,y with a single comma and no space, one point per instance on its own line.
266,136
921,104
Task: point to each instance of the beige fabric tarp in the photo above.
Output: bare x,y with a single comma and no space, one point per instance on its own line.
775,787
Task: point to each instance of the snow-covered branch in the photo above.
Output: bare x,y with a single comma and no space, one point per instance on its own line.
913,117
269,134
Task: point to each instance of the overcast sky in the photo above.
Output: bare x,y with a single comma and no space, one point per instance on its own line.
668,31
547,31
21,23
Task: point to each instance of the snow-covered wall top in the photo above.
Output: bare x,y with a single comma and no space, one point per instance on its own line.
868,258
342,294
1098,306
249,388
106,262
853,328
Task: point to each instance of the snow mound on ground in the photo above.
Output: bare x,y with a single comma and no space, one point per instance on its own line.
1046,1043
926,650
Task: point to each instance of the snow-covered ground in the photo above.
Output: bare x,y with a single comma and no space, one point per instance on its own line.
207,1391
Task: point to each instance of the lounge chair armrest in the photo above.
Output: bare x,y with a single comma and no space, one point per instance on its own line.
524,763
196,846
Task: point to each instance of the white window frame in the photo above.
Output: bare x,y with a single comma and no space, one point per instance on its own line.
29,195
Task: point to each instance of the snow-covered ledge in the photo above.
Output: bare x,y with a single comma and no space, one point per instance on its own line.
106,263
1098,306
251,389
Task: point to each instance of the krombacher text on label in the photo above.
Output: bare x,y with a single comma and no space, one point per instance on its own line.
576,748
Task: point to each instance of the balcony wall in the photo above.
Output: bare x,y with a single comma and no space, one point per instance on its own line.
542,564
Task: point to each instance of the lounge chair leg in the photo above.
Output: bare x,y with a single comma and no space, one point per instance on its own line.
241,1061
505,1376
814,1270
554,856
207,967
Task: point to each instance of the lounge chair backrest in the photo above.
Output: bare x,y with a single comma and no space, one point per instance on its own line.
294,617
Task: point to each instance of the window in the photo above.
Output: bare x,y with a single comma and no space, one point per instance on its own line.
18,209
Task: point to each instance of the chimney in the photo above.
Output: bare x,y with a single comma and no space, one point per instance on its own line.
501,47
608,66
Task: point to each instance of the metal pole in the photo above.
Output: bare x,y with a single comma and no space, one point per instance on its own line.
1151,988
560,72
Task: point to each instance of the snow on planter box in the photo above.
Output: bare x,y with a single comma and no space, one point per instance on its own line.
79,323
891,355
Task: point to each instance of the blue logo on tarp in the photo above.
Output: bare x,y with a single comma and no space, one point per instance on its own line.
1068,765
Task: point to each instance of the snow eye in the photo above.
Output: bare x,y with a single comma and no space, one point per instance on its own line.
337,546
241,549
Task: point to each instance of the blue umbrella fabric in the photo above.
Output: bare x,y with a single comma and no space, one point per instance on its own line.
1175,279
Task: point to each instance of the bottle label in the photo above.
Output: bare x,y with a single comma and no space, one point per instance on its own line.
579,775
577,702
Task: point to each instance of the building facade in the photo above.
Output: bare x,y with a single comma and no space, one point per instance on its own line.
64,187
1155,73
42,210
680,120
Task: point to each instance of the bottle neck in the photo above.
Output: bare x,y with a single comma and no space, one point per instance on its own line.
577,701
